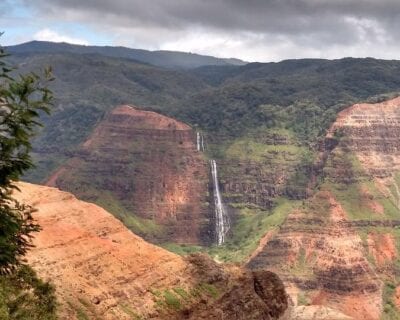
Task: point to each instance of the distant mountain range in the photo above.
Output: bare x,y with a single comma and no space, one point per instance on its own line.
162,58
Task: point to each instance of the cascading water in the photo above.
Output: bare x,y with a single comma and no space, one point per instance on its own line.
200,141
221,215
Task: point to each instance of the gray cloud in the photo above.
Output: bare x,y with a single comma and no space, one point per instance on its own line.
305,26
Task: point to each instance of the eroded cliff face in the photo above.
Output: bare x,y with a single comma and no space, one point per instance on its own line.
96,264
101,270
262,166
371,132
143,167
340,248
322,260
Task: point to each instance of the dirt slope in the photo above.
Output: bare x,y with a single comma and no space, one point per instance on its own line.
101,270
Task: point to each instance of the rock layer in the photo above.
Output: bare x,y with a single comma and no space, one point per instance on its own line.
101,270
95,263
372,132
339,249
314,253
143,167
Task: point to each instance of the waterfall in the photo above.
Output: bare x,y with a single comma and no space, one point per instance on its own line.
200,141
221,216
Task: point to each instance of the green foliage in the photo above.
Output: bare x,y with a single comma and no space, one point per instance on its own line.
24,296
355,191
143,227
130,312
303,94
167,299
302,267
390,310
182,249
21,101
182,293
251,225
225,102
177,298
81,314
209,289
306,119
171,300
302,299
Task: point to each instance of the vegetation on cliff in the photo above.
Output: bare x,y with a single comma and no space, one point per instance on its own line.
22,294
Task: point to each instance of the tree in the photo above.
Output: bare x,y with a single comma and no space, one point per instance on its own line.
21,101
22,98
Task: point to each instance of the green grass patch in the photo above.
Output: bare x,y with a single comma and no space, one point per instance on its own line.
130,312
182,249
359,190
390,311
80,313
302,267
248,149
171,300
250,226
140,226
182,293
209,289
302,299
350,197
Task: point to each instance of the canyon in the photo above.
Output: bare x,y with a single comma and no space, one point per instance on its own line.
335,244
257,191
101,270
340,247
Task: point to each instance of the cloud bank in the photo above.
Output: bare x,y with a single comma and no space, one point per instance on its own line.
262,30
53,36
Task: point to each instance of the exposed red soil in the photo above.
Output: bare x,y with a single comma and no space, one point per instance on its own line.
370,202
382,247
101,270
91,257
262,244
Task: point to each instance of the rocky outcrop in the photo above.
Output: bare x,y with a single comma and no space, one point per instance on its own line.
101,270
338,249
314,253
144,168
247,295
372,131
316,312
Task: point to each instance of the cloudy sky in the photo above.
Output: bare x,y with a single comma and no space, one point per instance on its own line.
252,30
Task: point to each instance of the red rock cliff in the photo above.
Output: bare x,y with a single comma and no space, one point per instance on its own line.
338,249
103,271
143,167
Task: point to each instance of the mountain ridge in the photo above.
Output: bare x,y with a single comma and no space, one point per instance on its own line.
161,58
